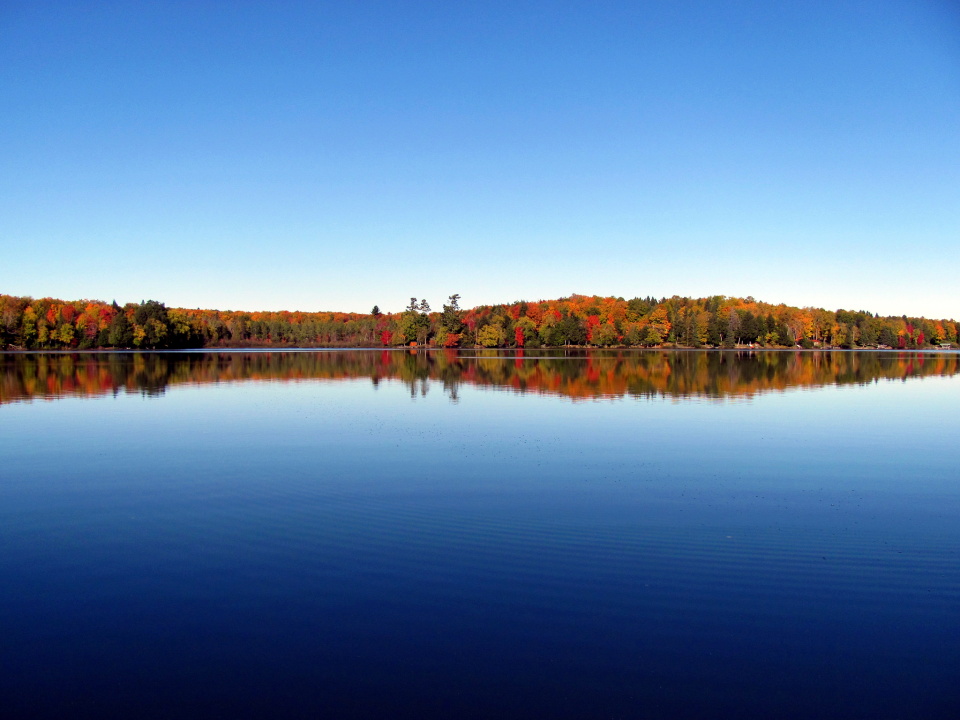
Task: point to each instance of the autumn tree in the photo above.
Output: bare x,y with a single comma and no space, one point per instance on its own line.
492,335
576,320
606,335
653,336
525,333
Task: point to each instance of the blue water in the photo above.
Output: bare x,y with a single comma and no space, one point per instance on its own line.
337,547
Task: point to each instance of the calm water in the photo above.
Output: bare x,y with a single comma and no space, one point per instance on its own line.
367,534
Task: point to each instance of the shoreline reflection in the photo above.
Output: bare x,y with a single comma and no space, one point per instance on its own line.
574,374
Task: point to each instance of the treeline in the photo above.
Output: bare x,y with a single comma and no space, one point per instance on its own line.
578,321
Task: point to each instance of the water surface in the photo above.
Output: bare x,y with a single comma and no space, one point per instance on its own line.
367,533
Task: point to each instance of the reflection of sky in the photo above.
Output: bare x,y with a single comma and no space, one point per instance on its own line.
848,431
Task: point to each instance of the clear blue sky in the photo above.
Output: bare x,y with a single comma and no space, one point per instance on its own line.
329,156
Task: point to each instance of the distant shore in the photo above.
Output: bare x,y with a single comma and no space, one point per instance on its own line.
578,321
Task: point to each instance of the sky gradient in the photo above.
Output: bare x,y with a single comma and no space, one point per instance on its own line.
333,156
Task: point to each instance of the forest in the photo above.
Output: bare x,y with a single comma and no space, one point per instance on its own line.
576,321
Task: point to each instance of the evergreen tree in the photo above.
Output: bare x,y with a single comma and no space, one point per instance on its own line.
120,334
452,317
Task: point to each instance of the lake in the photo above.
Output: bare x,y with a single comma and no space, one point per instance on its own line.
637,534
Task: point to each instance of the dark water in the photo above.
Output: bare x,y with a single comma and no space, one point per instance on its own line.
369,534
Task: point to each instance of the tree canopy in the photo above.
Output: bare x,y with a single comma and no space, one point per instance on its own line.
577,320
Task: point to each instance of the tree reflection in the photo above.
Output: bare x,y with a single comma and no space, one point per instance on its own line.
579,374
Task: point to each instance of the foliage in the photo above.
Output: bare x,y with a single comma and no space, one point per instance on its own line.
578,320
